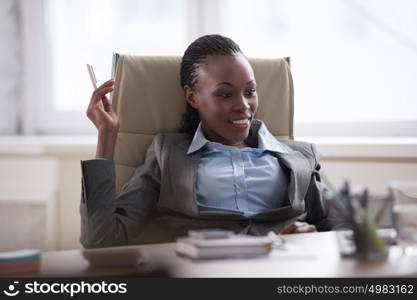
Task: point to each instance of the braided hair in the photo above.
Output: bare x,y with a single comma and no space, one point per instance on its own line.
194,55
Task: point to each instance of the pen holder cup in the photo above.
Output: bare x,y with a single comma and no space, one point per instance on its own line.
357,221
368,243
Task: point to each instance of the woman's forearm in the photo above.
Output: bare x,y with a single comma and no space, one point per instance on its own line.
106,144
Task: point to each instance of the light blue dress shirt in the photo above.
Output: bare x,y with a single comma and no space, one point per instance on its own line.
243,180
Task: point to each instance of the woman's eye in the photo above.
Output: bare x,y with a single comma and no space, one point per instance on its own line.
251,92
225,95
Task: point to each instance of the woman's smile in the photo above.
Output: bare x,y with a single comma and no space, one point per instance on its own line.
225,97
241,123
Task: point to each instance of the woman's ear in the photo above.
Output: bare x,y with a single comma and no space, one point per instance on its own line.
191,96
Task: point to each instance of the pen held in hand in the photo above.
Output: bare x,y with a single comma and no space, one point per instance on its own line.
92,76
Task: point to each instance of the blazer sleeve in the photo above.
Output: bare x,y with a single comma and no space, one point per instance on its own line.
110,221
317,210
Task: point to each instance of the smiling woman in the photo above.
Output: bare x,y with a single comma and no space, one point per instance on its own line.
224,95
246,180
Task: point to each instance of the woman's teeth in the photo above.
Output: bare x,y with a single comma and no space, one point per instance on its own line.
243,121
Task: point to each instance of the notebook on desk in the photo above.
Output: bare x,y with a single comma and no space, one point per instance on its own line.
208,246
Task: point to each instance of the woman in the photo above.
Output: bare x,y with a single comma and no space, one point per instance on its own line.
223,170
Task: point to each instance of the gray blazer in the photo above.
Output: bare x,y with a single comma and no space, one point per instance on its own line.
159,202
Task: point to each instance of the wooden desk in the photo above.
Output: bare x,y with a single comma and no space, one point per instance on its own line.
322,259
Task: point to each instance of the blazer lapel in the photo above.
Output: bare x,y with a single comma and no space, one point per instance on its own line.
190,201
300,175
183,172
188,197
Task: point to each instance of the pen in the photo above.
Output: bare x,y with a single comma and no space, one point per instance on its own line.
364,199
345,193
92,76
386,204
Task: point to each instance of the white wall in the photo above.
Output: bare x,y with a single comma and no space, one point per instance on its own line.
40,188
27,202
10,65
374,174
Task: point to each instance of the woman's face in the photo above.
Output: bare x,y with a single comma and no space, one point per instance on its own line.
225,97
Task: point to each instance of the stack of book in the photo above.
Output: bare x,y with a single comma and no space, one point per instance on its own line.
26,260
203,247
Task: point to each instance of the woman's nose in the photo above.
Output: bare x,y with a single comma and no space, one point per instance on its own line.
242,104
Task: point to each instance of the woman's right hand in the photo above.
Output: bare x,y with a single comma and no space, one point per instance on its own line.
105,119
102,114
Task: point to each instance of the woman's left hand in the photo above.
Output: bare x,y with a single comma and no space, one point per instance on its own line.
298,227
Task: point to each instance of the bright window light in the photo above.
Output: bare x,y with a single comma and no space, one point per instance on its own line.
81,32
351,60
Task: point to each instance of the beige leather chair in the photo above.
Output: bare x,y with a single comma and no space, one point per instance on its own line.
148,100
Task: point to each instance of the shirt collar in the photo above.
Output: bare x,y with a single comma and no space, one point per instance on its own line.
199,140
258,135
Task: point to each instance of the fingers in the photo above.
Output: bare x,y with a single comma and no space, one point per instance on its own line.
109,82
288,229
100,111
101,91
306,228
94,108
106,85
298,227
106,104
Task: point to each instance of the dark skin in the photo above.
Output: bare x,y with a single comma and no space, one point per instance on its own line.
225,92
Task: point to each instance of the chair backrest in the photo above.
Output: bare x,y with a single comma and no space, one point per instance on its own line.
148,100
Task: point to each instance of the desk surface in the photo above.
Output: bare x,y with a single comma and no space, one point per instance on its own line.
319,258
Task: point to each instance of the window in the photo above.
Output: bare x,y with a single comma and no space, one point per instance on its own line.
77,32
354,63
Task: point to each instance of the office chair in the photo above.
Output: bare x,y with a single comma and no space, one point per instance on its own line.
148,100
